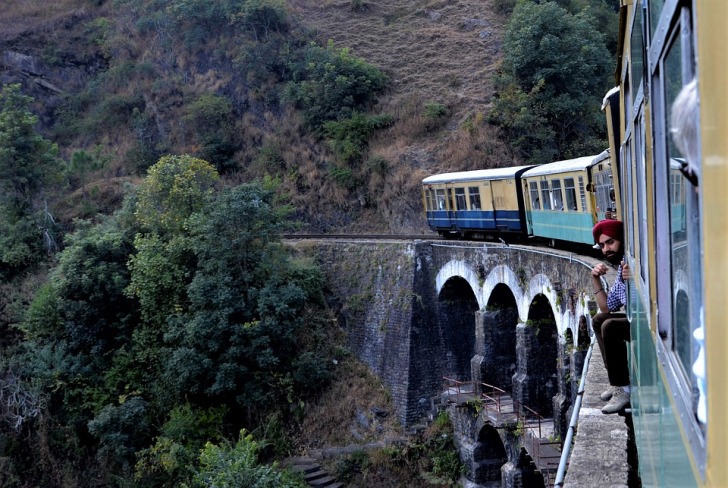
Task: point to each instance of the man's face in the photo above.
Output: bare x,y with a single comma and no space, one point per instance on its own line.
611,248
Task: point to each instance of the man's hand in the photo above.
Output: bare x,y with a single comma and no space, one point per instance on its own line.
599,270
625,271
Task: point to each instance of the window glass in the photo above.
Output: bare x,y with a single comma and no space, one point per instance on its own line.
440,195
474,198
637,53
545,195
428,199
460,199
641,195
582,193
655,7
570,194
450,201
684,232
535,200
556,194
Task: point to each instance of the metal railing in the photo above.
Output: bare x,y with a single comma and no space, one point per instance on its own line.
492,399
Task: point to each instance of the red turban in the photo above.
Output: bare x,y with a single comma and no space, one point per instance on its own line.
612,228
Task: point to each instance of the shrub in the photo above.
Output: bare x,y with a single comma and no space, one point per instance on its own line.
121,430
343,177
211,122
348,137
435,110
238,466
330,84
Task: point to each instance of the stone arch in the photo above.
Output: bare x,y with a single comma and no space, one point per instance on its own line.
456,307
461,269
504,275
527,475
540,284
535,382
496,338
489,456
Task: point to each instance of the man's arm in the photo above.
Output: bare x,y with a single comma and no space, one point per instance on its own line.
600,295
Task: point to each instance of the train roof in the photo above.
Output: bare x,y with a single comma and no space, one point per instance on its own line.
478,174
568,165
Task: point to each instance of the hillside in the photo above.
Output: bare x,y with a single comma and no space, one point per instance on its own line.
438,54
442,52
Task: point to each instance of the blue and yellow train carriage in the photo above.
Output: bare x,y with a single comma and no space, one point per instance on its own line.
478,204
563,200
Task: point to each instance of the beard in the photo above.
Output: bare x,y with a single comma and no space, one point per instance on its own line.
614,257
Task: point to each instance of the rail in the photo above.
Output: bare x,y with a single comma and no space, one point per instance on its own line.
493,399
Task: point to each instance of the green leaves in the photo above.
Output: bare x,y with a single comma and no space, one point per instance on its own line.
175,188
554,75
237,465
27,164
330,84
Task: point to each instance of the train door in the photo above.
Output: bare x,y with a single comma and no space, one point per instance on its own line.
487,201
527,206
451,214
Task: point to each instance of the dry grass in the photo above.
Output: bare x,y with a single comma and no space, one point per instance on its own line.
434,51
21,16
442,52
331,420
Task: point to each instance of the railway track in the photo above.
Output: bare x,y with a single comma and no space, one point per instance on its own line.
360,237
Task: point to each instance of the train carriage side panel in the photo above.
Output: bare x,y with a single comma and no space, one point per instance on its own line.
464,203
559,205
506,205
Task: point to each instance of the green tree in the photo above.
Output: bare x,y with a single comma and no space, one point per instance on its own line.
86,300
28,163
554,75
240,341
175,188
223,466
330,84
212,124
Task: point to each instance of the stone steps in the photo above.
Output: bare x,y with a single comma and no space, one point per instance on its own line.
313,474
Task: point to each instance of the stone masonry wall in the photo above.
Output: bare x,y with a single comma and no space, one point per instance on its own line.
385,296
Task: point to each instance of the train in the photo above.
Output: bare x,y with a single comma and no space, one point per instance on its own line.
556,202
666,170
669,139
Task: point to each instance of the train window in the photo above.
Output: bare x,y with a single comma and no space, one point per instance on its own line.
641,195
570,194
460,199
582,193
637,52
440,196
428,199
474,197
683,222
655,11
556,194
602,188
450,201
545,195
535,201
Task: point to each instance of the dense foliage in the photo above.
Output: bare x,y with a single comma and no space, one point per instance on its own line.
176,322
28,163
554,75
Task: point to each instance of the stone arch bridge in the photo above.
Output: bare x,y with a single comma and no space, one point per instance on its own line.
515,317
